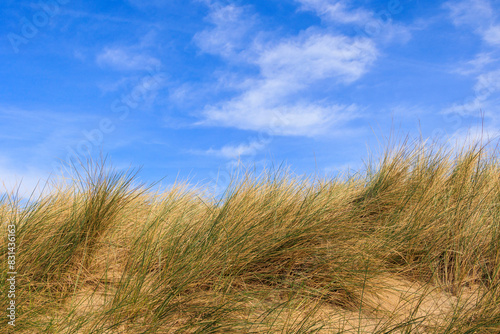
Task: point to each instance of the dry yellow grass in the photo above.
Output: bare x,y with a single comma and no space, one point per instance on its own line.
410,246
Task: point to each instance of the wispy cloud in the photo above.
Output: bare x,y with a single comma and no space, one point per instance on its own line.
487,84
317,56
477,14
377,25
469,107
123,59
307,119
470,12
481,16
231,31
337,11
234,152
476,65
269,101
485,96
492,35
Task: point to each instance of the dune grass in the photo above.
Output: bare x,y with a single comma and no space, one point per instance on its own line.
412,245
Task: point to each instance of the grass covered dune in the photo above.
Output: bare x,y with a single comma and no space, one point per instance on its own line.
412,245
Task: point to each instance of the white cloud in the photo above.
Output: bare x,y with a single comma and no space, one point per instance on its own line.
302,119
379,26
234,152
122,59
492,35
470,12
318,56
485,98
275,99
471,107
475,65
477,14
487,84
230,34
269,102
337,11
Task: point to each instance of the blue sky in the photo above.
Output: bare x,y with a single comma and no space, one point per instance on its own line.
186,89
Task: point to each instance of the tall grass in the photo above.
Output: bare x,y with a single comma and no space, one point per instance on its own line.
410,246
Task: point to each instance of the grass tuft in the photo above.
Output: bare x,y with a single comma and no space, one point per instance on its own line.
410,246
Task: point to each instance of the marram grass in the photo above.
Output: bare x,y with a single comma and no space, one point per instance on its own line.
410,246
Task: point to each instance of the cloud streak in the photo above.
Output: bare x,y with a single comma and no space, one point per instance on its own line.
122,59
477,14
378,25
337,11
237,151
232,26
